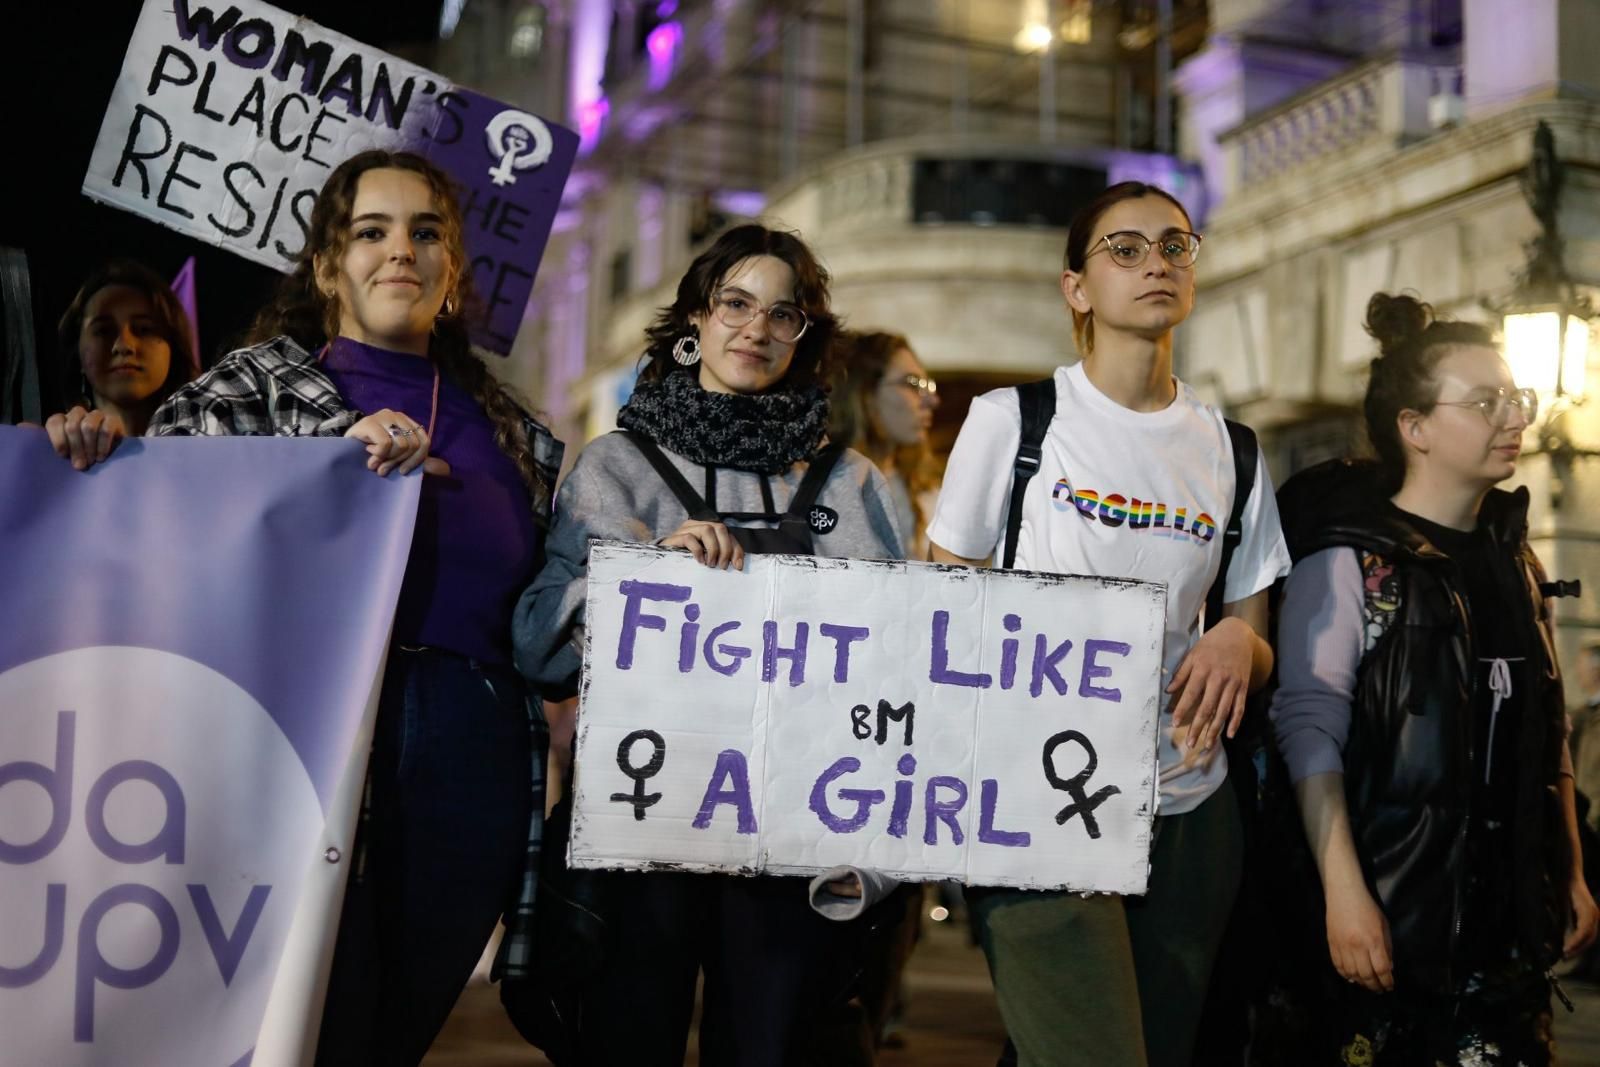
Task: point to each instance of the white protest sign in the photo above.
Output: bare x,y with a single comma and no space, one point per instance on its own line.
228,117
994,727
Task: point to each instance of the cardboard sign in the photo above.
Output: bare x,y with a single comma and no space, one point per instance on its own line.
226,121
995,727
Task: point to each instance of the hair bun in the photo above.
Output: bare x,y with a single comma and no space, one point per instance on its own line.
1396,319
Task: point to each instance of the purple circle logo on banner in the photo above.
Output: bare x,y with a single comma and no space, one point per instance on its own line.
155,826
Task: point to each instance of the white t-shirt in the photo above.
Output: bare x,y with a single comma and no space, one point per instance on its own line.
1122,494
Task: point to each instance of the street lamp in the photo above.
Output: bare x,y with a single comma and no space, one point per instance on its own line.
1548,349
1545,322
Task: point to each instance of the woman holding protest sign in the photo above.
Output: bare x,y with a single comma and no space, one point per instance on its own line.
125,347
372,319
1133,466
729,399
1420,714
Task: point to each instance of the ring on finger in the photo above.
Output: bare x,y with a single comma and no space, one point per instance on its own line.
395,430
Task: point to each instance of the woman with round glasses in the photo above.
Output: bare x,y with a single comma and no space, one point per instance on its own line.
722,452
1097,979
882,405
1420,714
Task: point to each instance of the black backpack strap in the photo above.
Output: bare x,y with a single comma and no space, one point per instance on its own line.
816,476
673,477
1245,450
796,522
1038,403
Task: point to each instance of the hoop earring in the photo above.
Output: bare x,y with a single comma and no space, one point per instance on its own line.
687,351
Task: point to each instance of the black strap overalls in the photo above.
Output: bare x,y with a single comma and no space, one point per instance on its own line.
791,533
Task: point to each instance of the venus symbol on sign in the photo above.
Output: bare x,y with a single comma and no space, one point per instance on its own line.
1081,805
658,756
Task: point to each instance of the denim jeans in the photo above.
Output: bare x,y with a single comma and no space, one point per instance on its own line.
438,860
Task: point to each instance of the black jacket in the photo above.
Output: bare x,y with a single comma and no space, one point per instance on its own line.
1408,760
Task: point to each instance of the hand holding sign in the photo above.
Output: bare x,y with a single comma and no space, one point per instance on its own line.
709,543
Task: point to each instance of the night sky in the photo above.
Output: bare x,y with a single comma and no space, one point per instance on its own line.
61,63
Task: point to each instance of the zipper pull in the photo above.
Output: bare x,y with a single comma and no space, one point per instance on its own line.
1561,994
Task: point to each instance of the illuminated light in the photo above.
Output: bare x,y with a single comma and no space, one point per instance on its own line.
1078,26
742,202
1575,358
1034,37
1537,357
589,35
662,44
939,913
528,35
591,117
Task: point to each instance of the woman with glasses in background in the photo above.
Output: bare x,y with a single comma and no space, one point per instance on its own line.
722,452
882,403
1420,714
1136,474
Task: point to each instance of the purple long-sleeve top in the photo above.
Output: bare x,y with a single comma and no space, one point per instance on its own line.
476,544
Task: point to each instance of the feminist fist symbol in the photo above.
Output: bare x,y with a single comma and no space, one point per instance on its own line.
1081,805
519,141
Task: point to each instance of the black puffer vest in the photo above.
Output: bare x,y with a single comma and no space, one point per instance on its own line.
1408,761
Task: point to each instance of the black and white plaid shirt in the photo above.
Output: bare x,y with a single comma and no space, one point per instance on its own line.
274,389
277,389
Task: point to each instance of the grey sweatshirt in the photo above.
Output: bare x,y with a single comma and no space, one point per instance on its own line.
614,494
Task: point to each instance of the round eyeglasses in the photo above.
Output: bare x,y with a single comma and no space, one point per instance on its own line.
924,386
1129,248
1496,407
735,308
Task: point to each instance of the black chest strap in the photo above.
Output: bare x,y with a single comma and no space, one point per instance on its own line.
1038,404
692,502
1245,449
795,522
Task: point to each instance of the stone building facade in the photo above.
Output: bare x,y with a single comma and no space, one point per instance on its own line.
932,152
1383,146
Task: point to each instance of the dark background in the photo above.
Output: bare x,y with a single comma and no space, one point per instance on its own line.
60,62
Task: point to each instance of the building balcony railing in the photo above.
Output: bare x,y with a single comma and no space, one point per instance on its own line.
933,181
1386,102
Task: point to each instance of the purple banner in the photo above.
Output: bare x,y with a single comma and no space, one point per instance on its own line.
193,633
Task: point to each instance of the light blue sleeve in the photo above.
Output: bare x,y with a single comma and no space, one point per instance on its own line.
1320,644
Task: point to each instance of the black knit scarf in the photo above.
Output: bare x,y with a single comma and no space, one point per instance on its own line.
767,432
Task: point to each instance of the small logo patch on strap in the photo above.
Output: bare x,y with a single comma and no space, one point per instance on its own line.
822,519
